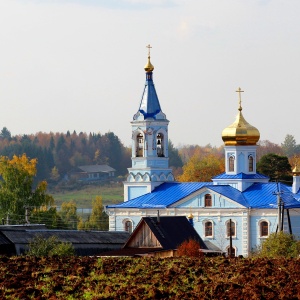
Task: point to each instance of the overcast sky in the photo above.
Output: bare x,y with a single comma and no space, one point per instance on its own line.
78,65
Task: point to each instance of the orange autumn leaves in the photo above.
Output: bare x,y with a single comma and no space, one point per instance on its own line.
202,168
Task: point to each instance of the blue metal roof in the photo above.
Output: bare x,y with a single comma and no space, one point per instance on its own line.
258,195
263,195
231,193
149,106
164,195
241,176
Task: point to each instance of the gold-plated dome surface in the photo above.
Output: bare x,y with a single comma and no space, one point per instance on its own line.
190,216
296,170
148,67
240,132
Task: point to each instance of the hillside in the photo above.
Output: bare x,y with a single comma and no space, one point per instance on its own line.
83,195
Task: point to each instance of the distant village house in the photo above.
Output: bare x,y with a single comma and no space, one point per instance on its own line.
93,173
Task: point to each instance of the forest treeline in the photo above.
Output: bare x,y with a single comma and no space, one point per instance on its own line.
58,154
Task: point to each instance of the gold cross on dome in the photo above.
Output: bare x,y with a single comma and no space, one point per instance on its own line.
240,97
149,47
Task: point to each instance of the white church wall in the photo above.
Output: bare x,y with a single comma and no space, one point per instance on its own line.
256,218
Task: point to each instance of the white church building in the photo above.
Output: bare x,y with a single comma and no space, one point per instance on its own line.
239,196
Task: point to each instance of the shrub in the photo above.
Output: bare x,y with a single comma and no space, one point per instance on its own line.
279,245
190,248
40,246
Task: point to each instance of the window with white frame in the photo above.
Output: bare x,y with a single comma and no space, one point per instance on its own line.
207,200
208,229
264,228
128,226
160,145
250,163
231,163
140,145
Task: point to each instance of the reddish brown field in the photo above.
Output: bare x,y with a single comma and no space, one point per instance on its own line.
148,278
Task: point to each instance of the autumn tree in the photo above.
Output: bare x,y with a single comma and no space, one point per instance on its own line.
276,167
16,188
98,219
68,213
54,174
266,147
48,216
190,248
202,168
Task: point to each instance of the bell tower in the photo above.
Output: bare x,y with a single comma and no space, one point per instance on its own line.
150,160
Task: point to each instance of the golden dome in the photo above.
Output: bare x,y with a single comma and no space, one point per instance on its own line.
190,216
240,132
149,67
296,171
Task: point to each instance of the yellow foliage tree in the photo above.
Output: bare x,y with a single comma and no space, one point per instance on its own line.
202,168
69,215
98,219
16,188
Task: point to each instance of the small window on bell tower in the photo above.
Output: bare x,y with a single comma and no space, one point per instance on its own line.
250,158
231,164
159,145
140,145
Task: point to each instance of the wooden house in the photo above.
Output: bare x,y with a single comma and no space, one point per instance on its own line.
160,237
90,173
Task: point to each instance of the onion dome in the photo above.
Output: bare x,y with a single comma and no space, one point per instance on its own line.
296,171
190,216
240,132
148,67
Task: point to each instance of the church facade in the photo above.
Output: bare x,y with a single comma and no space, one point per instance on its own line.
240,205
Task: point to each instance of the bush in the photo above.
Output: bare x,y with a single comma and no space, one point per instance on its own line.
279,245
190,248
40,246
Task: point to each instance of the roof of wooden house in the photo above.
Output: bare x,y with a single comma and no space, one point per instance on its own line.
84,242
23,236
96,168
170,231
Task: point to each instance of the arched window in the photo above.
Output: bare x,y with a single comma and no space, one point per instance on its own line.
140,145
208,228
250,162
128,226
207,200
233,228
231,163
160,145
264,228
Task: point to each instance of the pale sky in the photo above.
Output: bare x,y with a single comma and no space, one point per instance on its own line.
78,65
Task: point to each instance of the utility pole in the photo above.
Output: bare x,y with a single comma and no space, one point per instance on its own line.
27,215
230,239
280,212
